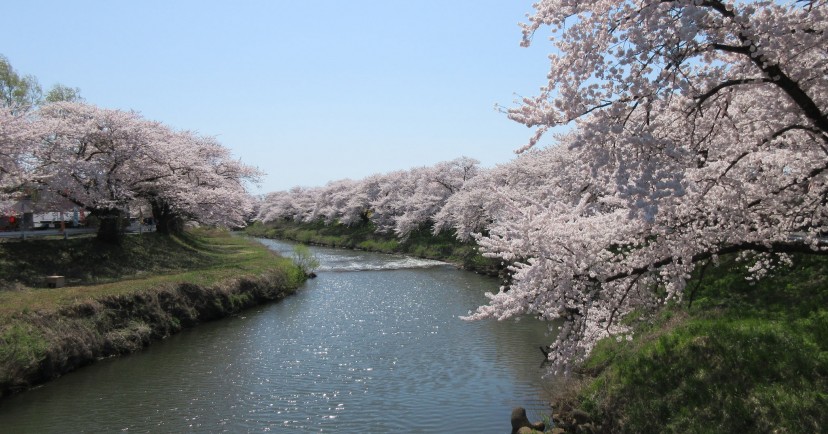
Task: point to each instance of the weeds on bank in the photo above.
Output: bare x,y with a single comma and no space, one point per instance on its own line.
741,358
304,259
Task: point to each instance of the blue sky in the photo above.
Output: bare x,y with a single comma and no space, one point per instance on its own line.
309,92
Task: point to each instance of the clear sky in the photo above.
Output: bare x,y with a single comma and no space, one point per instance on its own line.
308,91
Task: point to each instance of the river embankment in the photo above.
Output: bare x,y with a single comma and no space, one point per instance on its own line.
120,299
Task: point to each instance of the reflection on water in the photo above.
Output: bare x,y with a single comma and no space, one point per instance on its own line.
380,350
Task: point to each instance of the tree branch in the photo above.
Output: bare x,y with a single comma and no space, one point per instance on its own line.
776,247
729,83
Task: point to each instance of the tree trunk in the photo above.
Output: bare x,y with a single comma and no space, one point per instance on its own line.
111,226
166,220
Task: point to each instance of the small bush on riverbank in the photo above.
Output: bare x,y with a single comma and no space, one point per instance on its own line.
304,259
740,358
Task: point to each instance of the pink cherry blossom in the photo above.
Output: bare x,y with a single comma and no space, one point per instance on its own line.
700,129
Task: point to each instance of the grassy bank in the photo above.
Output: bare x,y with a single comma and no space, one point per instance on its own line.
120,299
739,358
363,236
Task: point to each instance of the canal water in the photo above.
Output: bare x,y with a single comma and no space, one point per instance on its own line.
374,344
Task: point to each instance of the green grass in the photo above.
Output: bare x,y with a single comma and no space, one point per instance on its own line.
740,358
22,344
121,298
421,243
96,270
86,260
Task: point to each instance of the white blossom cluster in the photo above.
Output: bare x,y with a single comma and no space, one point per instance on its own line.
100,159
15,134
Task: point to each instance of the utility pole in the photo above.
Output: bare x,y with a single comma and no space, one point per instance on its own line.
23,220
23,217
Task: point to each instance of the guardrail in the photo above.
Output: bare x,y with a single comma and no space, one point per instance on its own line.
68,232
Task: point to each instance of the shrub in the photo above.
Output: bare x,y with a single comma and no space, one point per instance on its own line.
304,259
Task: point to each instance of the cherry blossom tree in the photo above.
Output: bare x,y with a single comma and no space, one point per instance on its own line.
17,134
277,205
108,160
483,199
90,156
357,208
410,200
700,128
191,177
398,202
17,96
339,202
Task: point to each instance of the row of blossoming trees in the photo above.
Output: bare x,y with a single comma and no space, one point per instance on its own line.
398,202
108,161
700,129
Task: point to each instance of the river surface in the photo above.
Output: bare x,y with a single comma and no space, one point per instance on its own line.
374,344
